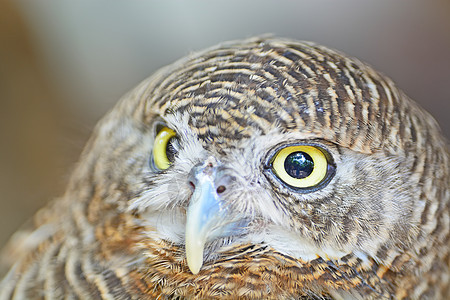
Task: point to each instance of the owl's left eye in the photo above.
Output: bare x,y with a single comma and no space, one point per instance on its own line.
301,166
163,148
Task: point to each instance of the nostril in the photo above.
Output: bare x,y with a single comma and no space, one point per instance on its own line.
192,185
220,189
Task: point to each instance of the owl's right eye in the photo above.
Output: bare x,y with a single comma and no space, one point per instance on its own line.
163,149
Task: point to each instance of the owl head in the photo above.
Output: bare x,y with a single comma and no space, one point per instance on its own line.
273,143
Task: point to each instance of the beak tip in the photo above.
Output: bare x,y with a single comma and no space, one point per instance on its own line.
195,263
194,252
194,271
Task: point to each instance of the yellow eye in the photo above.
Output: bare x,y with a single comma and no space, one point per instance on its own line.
160,148
300,166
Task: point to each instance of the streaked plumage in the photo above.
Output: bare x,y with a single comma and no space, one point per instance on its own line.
377,227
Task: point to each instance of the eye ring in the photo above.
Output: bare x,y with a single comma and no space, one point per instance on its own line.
162,139
307,166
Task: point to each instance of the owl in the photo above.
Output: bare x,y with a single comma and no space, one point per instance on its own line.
258,169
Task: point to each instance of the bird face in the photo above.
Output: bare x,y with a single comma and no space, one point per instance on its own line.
304,156
211,196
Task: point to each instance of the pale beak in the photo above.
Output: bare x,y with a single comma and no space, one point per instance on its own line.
206,214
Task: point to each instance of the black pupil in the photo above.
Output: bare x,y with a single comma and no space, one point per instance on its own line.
170,149
299,165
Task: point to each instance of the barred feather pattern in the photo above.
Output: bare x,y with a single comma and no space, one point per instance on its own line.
93,244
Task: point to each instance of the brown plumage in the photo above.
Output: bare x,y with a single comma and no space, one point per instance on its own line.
216,216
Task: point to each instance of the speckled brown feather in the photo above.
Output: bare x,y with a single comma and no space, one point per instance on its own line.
89,244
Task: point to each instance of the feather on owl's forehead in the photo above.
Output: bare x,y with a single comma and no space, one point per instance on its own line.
241,88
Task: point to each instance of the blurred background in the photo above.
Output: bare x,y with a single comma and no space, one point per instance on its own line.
64,63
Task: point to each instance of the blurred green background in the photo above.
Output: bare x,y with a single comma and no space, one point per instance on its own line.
64,63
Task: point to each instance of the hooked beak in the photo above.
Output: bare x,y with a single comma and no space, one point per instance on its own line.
207,216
